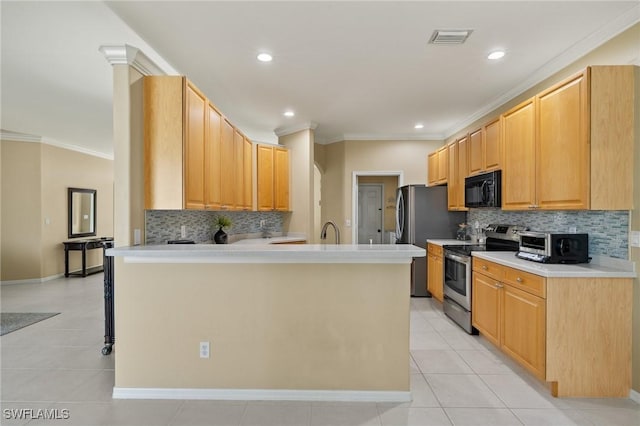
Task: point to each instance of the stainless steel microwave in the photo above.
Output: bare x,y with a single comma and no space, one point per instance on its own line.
483,190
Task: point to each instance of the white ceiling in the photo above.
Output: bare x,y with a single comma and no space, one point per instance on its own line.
359,70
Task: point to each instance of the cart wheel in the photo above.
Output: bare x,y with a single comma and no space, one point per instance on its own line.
106,350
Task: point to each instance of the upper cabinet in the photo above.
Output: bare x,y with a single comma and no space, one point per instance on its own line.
458,168
485,150
272,178
571,146
438,167
191,157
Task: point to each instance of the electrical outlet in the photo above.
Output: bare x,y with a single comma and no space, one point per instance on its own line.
634,239
183,231
262,223
347,222
204,349
137,236
572,230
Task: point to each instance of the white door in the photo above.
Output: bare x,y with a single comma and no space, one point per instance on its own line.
370,213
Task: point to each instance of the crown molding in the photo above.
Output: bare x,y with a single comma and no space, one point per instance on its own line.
129,55
23,137
382,137
284,131
569,56
7,135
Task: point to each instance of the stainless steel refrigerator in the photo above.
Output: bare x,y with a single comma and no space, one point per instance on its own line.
421,214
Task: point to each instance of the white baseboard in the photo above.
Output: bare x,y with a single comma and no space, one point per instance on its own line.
635,396
262,394
32,280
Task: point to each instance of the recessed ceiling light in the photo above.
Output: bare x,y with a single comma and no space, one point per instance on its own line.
265,57
289,113
496,54
418,126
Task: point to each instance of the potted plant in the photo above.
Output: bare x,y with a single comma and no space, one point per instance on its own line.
221,222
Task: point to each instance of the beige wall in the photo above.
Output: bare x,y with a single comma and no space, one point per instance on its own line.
635,251
342,327
21,211
36,177
343,158
301,161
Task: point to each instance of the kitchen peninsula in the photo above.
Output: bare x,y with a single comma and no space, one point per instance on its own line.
295,322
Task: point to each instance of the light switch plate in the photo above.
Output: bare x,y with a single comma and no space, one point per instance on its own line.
634,239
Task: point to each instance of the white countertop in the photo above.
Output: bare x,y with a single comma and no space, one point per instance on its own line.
600,266
271,240
450,242
269,253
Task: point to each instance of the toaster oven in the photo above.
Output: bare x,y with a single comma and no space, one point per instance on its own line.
552,247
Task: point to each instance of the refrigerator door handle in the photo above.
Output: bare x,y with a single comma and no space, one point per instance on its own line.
399,215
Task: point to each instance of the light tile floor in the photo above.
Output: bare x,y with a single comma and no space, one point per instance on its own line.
455,378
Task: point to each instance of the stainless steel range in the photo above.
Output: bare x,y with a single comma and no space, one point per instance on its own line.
457,270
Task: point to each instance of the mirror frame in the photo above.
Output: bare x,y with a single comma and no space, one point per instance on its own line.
70,192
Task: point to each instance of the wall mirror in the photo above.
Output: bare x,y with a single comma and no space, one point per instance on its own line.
82,212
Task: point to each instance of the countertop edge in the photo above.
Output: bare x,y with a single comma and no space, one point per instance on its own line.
586,270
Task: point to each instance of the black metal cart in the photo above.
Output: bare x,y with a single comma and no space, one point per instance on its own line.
109,331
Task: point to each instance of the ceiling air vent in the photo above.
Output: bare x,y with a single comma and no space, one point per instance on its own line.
449,36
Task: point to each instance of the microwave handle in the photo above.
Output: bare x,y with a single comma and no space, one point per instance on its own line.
483,191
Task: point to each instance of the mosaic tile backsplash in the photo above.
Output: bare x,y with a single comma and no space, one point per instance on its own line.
608,230
164,225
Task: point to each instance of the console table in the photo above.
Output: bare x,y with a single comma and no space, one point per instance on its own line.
83,245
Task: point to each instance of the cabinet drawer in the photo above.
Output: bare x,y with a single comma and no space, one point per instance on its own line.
489,269
525,281
434,249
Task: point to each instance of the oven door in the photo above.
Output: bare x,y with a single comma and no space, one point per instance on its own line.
457,278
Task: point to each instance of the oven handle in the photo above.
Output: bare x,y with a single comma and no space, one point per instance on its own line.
462,259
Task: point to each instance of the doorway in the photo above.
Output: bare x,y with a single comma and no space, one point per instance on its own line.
389,181
370,213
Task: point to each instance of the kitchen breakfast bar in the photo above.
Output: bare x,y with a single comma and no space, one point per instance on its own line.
288,322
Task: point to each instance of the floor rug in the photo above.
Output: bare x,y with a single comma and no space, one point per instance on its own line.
12,321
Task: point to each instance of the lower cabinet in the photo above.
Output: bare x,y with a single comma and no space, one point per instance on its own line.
511,315
574,333
435,271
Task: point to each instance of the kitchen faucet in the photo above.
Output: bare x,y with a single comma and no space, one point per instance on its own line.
323,233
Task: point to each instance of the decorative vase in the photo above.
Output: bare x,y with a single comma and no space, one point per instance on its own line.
220,237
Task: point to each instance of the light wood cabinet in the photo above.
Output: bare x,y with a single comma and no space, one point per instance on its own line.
485,150
191,159
272,178
558,328
438,167
432,169
561,145
194,147
458,167
212,160
511,317
227,166
435,271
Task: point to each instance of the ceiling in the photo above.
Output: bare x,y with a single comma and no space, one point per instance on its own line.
357,70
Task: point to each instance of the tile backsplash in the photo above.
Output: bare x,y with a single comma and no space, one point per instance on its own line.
164,225
608,230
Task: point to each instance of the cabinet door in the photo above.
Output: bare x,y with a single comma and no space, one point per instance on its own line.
518,174
443,165
212,160
194,147
562,171
265,178
227,166
248,175
523,328
463,170
238,146
492,146
486,306
452,181
281,179
434,276
432,168
476,152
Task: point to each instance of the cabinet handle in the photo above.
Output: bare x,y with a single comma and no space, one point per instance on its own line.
519,279
484,267
498,285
